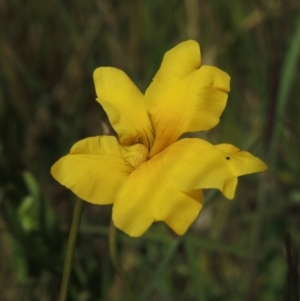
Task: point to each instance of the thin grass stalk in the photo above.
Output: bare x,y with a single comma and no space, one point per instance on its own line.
289,69
285,85
116,263
70,250
151,285
196,275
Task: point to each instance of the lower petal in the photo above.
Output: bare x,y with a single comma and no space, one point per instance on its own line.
94,169
180,213
131,210
191,164
146,197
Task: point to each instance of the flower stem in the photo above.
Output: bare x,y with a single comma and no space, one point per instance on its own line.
116,262
70,250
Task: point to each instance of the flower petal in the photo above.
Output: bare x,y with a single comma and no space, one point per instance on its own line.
183,96
182,211
124,105
94,169
241,162
146,197
191,164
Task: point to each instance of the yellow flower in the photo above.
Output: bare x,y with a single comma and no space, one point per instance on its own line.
148,174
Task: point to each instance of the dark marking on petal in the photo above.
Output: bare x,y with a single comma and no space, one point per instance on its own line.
227,158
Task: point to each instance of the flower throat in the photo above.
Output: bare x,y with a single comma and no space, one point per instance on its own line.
136,154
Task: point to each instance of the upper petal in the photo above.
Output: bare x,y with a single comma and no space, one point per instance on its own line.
147,197
183,96
124,105
94,169
196,164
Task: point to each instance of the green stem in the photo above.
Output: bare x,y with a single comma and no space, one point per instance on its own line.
116,262
70,250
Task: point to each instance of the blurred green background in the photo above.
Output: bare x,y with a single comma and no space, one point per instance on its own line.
245,249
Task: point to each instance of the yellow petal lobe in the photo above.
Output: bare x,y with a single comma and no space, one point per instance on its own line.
84,169
184,96
191,164
124,105
241,162
147,197
181,212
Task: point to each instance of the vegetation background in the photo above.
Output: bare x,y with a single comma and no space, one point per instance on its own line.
245,249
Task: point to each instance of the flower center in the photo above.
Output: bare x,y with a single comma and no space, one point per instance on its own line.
136,154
